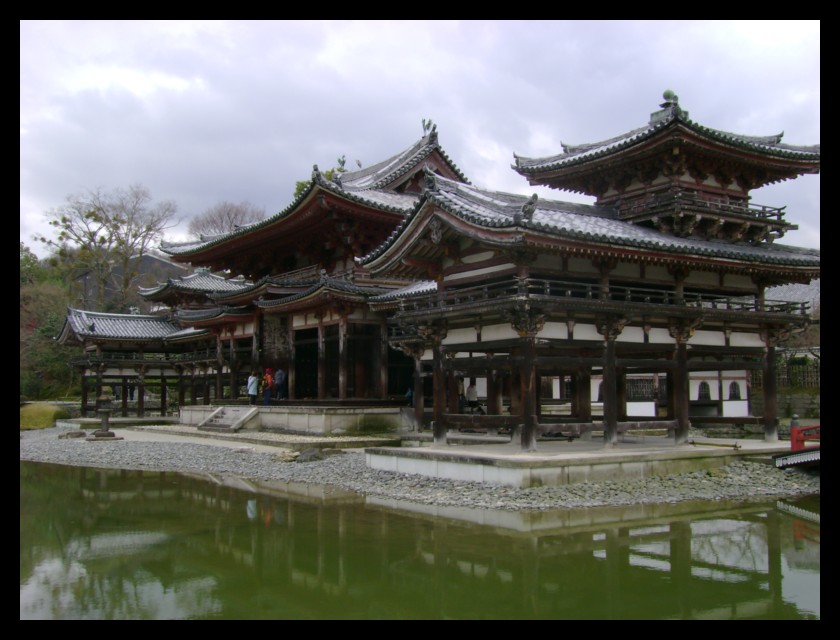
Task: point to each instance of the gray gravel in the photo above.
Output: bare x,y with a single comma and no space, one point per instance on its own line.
741,480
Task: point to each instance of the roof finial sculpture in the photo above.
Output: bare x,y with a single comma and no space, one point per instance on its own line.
315,172
430,130
529,207
670,108
671,99
431,179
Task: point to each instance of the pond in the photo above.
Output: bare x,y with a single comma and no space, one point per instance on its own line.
112,544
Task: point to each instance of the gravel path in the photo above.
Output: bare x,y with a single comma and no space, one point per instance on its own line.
738,481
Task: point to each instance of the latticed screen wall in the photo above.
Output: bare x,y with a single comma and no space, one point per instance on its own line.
796,372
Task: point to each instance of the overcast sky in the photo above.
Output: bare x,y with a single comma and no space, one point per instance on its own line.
201,112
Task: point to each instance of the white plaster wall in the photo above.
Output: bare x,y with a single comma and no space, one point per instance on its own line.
554,331
736,408
694,388
658,335
745,340
641,409
629,334
740,378
498,332
587,332
711,338
460,336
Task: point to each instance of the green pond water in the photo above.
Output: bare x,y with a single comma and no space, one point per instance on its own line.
111,544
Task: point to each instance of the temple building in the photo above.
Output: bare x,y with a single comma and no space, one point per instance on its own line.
654,304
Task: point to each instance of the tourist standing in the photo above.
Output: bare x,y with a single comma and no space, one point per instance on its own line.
268,387
472,397
253,382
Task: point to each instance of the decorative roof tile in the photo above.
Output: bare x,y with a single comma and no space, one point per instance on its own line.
365,186
117,326
202,281
420,288
592,223
670,115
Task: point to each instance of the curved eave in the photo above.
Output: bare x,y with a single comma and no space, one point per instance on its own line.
408,248
313,298
793,160
192,336
391,173
279,224
222,318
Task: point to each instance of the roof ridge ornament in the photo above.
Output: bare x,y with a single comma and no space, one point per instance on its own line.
529,207
430,179
430,130
669,109
526,211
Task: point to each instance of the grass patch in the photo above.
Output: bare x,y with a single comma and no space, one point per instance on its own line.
41,415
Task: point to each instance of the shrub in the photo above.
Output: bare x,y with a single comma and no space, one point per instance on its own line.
41,415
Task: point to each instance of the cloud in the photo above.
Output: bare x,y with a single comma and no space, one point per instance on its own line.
201,112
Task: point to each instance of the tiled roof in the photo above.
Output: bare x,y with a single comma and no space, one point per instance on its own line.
363,186
202,281
575,154
384,173
580,222
198,315
187,334
809,293
326,283
117,326
422,287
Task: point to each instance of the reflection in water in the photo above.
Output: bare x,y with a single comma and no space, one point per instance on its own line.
110,544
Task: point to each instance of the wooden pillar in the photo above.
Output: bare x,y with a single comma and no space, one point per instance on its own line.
417,390
141,392
181,395
610,392
206,379
681,392
583,393
439,389
528,393
233,369
771,417
290,371
124,397
610,327
453,390
681,332
384,354
193,394
322,362
342,358
85,381
621,391
220,365
494,396
164,408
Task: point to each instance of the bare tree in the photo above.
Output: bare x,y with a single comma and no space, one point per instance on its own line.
106,232
225,217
